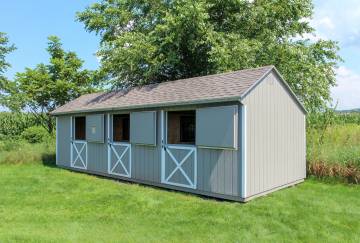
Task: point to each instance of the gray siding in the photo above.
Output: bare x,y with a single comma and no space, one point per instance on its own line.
97,157
146,163
63,140
275,145
218,171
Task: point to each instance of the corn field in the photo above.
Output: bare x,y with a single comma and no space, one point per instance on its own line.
13,124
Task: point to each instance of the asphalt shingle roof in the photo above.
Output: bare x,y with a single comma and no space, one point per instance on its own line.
205,89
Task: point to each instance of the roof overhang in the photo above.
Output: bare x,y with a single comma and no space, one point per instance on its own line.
152,106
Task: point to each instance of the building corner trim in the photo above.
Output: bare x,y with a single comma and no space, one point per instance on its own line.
57,140
243,151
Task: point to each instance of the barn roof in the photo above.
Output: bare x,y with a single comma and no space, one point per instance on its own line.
231,86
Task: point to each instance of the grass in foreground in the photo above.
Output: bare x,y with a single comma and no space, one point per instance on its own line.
42,203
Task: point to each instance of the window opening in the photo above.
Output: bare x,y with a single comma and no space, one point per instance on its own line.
181,127
80,128
121,128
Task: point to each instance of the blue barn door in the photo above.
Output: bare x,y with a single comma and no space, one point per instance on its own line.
78,149
119,154
178,162
119,159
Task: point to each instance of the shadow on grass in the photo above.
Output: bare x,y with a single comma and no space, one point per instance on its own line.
149,185
49,160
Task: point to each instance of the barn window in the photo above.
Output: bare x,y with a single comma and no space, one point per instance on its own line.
80,128
121,128
181,127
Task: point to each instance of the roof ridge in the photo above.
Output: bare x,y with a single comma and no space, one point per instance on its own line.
182,79
211,75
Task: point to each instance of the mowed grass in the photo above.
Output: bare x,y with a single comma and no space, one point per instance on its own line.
42,203
341,145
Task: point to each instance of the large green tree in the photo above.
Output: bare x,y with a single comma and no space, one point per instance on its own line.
158,40
5,48
42,89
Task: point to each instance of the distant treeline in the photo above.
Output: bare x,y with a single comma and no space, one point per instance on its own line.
13,124
319,119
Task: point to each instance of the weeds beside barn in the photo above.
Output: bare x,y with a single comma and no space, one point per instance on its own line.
333,146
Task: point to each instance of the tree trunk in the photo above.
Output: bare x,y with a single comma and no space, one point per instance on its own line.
50,124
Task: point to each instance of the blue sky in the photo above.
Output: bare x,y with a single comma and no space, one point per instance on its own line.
28,23
340,21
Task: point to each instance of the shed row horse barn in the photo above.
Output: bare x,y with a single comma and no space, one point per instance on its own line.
235,135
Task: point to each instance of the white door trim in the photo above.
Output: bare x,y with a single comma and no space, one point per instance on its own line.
192,150
78,154
71,140
162,117
119,159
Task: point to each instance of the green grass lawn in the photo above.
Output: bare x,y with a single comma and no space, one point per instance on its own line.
43,203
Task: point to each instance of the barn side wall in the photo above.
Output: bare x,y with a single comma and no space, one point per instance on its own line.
275,138
63,141
218,170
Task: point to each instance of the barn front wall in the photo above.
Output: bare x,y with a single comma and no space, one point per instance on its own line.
217,171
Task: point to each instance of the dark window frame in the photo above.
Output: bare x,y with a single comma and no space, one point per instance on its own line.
125,126
80,128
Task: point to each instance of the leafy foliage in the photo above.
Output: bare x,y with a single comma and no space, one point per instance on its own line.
13,124
47,86
35,134
5,48
153,41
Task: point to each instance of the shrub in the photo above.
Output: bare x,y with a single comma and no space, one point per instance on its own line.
9,144
21,152
12,124
35,134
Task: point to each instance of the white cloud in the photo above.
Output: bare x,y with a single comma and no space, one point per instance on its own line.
338,20
347,91
324,22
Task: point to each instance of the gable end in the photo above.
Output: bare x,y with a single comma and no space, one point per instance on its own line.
282,81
